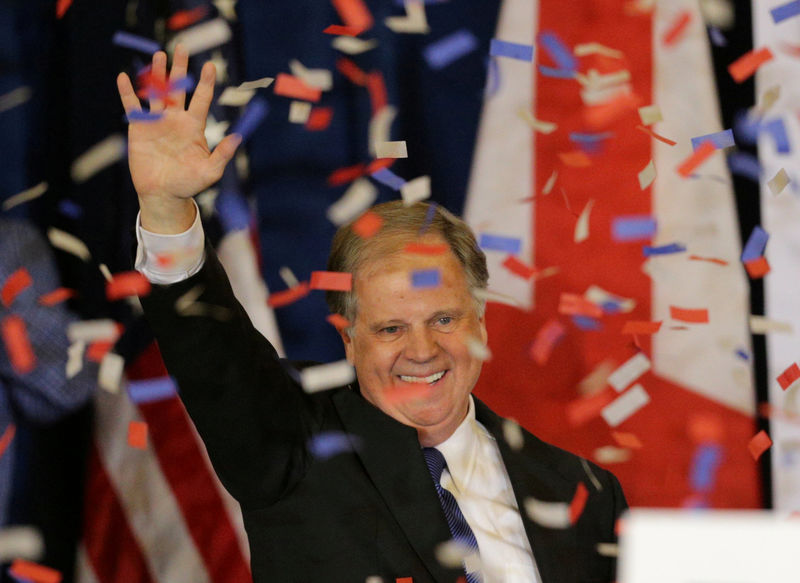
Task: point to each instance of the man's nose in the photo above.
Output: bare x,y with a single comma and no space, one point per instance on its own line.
421,345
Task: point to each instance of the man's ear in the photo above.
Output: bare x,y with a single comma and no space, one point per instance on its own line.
348,344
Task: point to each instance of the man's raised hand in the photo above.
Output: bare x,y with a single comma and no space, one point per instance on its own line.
169,157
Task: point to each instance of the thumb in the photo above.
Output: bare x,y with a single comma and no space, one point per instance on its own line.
223,153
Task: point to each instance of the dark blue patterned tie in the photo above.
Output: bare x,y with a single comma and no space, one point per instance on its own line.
459,527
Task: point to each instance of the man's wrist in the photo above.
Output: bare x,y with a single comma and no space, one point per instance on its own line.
168,216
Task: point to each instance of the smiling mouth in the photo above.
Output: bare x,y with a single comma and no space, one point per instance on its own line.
428,380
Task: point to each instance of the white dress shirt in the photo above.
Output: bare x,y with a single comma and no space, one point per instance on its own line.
475,473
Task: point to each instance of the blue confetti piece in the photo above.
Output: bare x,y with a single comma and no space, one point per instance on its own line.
233,211
444,51
590,138
633,228
492,77
183,84
389,178
663,249
756,243
723,139
784,11
611,307
327,444
558,51
426,278
717,38
743,354
705,462
490,242
144,116
556,73
428,218
137,43
745,164
777,129
251,117
152,390
501,48
746,128
586,323
70,208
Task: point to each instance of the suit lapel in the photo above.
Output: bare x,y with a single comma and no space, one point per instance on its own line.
392,457
532,473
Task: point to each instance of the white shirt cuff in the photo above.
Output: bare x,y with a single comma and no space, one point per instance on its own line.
166,259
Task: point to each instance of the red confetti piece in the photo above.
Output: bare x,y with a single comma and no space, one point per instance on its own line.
7,437
352,71
15,337
626,439
599,116
405,392
125,284
377,91
659,137
341,30
379,164
338,321
578,503
518,268
404,580
706,428
677,28
185,18
695,316
426,249
581,410
640,327
354,13
33,572
744,67
137,434
546,339
347,174
576,159
290,86
319,119
709,259
14,285
696,158
289,296
367,225
56,296
98,349
759,444
789,376
577,305
61,7
331,280
757,268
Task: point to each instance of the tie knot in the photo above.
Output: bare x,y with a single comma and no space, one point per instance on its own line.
436,462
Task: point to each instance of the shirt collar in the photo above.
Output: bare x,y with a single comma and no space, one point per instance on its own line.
460,450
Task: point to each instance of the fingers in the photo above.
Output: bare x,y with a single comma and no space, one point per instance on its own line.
180,65
203,94
222,154
126,93
159,72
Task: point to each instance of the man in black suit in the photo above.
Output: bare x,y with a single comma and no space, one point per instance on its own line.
401,475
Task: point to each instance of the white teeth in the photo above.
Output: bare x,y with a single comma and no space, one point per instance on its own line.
430,379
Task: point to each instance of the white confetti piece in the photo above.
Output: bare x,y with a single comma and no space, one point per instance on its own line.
69,243
778,182
262,83
719,13
548,186
416,190
599,296
25,196
611,454
647,175
650,114
105,271
582,225
452,553
763,325
608,549
625,405
351,45
322,79
288,277
478,349
544,127
356,199
202,37
109,375
513,435
768,99
103,154
391,150
91,330
380,126
299,111
74,358
414,22
597,379
20,542
327,376
15,98
597,81
597,49
548,514
493,296
236,96
629,371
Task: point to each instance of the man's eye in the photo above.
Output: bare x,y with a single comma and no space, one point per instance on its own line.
390,329
445,320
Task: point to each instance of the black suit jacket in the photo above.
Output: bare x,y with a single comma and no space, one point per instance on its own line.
370,511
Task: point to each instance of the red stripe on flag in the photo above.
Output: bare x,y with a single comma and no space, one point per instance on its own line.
110,544
188,474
